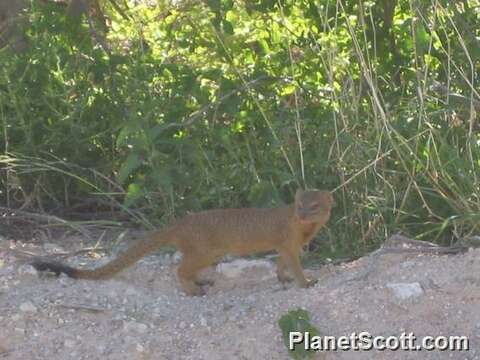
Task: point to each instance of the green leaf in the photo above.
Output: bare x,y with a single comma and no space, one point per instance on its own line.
122,137
264,46
297,320
313,10
134,192
227,27
422,38
133,162
263,194
157,130
215,5
227,5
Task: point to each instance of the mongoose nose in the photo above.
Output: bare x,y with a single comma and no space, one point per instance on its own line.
301,214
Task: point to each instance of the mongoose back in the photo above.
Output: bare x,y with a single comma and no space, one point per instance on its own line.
205,237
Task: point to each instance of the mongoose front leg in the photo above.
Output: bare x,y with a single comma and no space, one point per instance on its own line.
187,274
188,284
292,260
282,275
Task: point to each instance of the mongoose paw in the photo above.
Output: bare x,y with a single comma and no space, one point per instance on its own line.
308,283
284,279
196,291
205,282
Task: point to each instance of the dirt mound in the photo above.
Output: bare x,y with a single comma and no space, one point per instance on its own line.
142,314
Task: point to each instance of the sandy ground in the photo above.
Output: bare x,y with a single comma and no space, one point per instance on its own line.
142,314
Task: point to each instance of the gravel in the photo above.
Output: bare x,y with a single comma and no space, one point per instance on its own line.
142,313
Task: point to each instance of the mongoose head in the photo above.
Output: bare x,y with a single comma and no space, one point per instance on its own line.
312,206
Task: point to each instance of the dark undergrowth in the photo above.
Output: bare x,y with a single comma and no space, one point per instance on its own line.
220,104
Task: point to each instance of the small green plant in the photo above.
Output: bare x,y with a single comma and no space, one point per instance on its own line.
297,320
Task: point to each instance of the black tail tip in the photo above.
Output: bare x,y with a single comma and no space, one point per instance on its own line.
54,267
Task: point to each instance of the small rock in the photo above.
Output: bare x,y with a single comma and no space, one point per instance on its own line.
176,257
130,291
237,267
142,328
54,248
27,270
28,307
69,343
140,348
135,326
362,317
405,291
182,325
20,331
166,260
407,264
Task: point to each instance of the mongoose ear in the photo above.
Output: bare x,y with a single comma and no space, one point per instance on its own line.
334,203
298,195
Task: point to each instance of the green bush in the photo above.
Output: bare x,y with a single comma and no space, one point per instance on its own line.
198,106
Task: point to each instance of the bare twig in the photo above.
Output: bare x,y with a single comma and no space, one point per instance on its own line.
399,244
88,308
443,89
119,9
45,218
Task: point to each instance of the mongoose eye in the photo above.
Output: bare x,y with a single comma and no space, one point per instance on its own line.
314,206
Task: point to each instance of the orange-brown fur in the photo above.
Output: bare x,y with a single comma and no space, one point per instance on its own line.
207,236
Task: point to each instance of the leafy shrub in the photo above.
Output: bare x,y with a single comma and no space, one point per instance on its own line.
210,105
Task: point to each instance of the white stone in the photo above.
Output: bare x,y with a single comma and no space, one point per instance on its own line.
237,267
142,328
405,291
27,270
68,343
135,326
28,307
20,331
177,257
